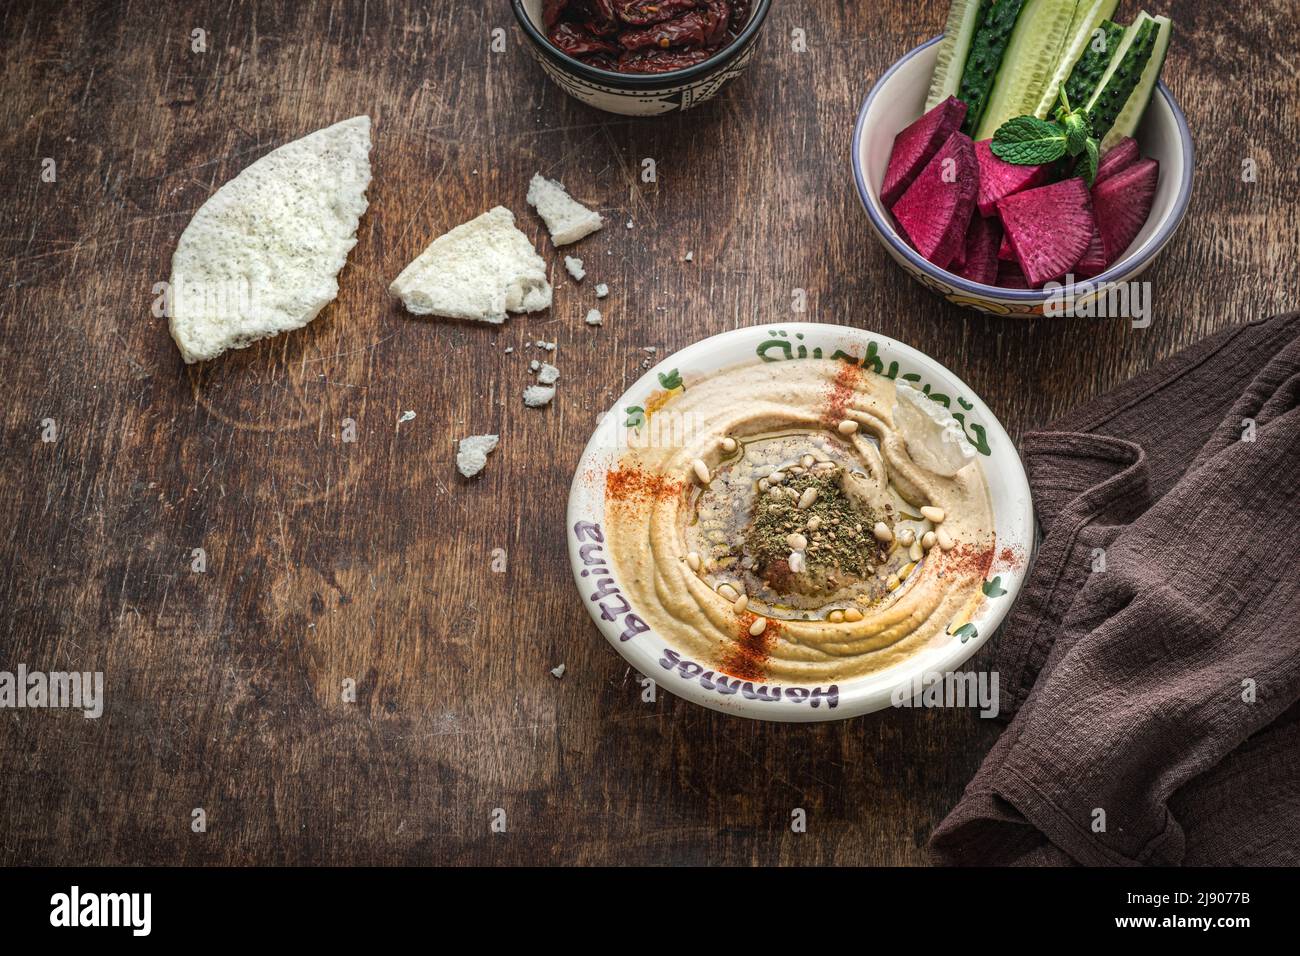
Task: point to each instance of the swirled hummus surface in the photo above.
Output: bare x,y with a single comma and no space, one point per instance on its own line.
776,526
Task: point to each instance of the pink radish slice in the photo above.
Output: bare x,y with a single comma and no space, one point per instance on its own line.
916,146
1005,252
959,259
1094,258
999,178
1049,227
1123,203
934,212
1120,156
981,257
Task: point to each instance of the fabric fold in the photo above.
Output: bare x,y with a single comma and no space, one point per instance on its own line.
1154,656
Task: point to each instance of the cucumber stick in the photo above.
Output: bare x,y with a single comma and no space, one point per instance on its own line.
986,53
1092,64
1089,16
964,18
1029,62
1123,75
1130,116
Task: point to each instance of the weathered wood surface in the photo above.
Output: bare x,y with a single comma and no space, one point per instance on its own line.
372,560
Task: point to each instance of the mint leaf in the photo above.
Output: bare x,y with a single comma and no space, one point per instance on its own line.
1087,165
1028,141
1077,131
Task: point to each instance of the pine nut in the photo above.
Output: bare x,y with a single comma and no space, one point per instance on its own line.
797,542
852,615
807,498
758,627
945,540
935,515
882,532
701,471
848,426
742,602
906,537
693,560
728,444
928,539
836,616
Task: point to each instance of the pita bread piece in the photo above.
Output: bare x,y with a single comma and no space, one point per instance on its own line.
262,255
479,271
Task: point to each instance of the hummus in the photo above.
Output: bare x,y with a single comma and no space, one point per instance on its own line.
787,532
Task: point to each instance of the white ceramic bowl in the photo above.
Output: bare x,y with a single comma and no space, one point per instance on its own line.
640,94
598,581
898,99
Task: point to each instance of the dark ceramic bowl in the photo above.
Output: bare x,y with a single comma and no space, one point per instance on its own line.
640,95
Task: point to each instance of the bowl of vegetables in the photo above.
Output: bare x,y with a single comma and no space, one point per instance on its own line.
642,57
1028,160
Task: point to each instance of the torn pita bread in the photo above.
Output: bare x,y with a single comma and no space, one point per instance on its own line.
262,255
479,271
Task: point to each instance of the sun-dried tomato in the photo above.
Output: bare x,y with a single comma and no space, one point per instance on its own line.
661,61
739,15
717,19
596,16
575,41
641,13
699,28
666,35
551,11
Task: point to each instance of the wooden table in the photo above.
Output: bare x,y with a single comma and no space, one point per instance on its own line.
373,560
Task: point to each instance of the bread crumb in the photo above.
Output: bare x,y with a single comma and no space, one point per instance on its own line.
535,396
406,416
574,265
566,219
595,318
472,452
690,257
557,672
547,374
602,290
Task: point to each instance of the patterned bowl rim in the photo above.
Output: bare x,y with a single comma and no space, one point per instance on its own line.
1122,268
1013,511
654,81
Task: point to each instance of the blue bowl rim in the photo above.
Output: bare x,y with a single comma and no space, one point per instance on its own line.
1020,295
630,82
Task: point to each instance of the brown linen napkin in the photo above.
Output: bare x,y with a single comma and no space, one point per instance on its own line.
1131,685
